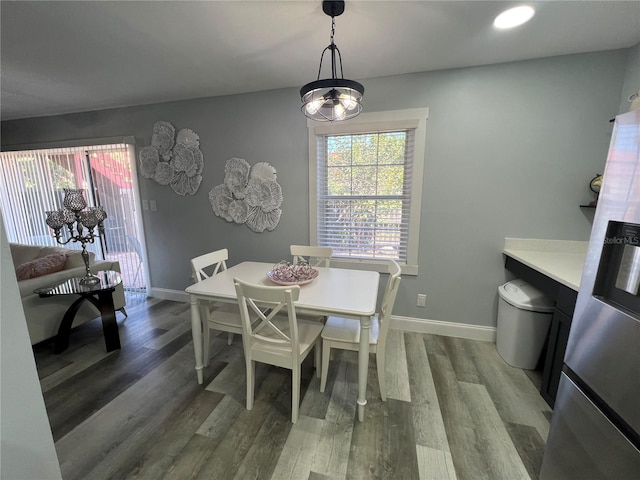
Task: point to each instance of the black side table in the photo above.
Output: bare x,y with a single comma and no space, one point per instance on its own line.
100,295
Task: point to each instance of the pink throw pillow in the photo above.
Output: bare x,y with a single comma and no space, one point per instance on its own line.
41,266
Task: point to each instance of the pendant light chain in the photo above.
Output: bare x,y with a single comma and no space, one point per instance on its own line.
333,28
333,51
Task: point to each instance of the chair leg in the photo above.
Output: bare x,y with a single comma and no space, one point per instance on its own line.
229,338
295,392
251,378
317,363
326,353
205,344
124,312
381,375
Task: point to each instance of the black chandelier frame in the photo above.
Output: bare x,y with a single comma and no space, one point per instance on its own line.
322,98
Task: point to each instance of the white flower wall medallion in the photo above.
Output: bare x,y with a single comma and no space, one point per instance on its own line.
249,195
173,160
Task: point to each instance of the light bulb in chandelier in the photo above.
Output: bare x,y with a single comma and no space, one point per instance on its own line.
339,112
314,105
348,101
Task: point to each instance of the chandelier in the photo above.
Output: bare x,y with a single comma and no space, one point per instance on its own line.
335,98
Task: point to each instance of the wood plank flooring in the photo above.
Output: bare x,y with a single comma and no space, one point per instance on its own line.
455,410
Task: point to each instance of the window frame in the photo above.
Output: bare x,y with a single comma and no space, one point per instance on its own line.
384,121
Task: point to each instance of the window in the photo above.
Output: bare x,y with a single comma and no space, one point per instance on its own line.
365,180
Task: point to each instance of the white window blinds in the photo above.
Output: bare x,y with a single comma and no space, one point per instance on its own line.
364,183
33,182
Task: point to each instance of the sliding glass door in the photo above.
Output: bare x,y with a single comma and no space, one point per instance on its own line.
33,183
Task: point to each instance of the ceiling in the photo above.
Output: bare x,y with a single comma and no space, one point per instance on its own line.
62,57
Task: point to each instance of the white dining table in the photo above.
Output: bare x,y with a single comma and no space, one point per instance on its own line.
334,292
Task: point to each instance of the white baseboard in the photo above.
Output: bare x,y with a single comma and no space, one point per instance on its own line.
167,294
449,329
409,324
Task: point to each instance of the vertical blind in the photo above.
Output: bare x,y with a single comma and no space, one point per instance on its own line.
32,184
364,193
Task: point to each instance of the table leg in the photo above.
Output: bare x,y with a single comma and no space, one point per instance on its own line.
109,323
104,304
62,338
196,333
363,365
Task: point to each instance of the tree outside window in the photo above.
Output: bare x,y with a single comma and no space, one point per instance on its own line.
365,195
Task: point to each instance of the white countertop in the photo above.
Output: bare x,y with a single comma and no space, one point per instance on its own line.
561,260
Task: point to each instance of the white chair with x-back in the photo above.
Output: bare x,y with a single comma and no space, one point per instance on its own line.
315,256
224,317
344,333
280,338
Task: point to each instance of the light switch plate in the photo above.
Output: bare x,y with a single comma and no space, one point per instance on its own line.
422,300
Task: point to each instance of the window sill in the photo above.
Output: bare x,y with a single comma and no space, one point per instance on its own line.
372,265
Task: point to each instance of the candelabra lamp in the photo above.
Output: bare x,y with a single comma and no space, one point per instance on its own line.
81,223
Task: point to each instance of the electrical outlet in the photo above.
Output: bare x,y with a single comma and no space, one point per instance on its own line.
152,205
422,300
145,204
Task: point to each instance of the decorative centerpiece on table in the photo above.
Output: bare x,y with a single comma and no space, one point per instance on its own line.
286,273
80,223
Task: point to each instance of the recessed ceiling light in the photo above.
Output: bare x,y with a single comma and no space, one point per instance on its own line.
514,17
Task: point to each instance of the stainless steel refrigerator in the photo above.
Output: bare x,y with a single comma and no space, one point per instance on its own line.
595,426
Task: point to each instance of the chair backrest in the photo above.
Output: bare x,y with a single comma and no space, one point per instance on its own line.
214,262
388,300
279,301
316,256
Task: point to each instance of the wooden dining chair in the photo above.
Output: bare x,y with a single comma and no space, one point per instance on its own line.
279,338
224,317
344,333
315,256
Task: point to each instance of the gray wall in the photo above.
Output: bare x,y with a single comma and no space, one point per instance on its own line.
631,78
510,151
27,451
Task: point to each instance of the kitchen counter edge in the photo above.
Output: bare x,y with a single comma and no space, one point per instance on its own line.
561,260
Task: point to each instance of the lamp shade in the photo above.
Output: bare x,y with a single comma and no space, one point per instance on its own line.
74,199
54,219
